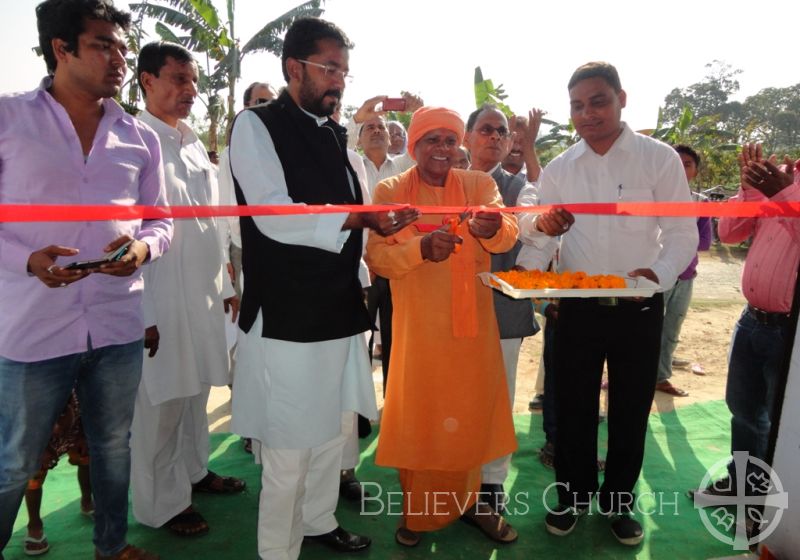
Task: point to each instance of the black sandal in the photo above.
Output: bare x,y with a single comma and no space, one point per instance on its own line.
213,483
188,523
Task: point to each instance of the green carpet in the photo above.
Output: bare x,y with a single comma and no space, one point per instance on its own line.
681,445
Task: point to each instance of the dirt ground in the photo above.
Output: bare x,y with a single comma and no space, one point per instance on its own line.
716,304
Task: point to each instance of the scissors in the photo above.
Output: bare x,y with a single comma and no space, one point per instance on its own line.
455,222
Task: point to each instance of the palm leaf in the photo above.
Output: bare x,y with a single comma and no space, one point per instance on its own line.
206,10
167,34
267,39
170,16
685,119
228,65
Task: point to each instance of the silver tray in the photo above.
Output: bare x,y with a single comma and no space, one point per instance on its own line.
636,287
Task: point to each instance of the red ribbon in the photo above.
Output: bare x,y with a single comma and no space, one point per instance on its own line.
81,213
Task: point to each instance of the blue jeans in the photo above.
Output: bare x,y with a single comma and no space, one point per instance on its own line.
754,365
35,393
676,305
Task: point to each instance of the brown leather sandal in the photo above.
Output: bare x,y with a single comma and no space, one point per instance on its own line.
188,523
406,537
491,523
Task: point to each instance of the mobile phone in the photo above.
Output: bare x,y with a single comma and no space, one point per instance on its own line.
111,256
394,104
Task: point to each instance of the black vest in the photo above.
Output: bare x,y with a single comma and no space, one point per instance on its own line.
305,294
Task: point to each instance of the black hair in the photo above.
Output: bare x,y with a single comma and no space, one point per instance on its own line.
602,70
153,57
473,116
689,151
301,39
249,91
65,20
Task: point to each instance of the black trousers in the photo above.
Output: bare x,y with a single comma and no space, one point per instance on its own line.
628,337
379,298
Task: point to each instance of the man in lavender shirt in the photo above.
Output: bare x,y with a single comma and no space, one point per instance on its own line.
67,142
678,298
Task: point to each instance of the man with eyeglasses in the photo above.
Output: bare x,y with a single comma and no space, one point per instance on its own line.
303,367
256,93
488,140
259,93
398,140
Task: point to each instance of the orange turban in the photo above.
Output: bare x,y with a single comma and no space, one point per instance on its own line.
426,119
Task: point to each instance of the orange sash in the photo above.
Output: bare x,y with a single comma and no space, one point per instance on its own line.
462,264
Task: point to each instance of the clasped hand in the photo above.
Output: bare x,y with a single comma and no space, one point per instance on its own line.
42,263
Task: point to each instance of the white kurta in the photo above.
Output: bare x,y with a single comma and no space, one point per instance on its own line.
183,297
291,395
184,290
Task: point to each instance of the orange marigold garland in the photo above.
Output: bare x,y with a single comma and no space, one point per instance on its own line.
538,280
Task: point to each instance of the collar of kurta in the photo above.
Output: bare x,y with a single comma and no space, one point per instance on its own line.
182,135
301,115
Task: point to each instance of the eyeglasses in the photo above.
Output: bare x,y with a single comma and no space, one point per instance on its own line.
260,101
488,130
330,70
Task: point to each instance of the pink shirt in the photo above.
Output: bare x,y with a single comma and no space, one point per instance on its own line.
770,269
41,162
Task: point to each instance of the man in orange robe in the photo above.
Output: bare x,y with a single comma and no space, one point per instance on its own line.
447,410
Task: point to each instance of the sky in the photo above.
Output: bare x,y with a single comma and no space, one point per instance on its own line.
431,47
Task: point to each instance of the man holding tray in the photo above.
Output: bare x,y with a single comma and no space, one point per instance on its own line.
610,164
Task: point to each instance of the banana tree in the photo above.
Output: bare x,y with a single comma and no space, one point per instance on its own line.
700,132
196,24
487,92
717,147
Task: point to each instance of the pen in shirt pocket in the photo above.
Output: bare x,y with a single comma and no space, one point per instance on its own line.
619,192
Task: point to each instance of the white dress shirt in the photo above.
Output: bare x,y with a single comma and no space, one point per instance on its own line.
390,167
636,168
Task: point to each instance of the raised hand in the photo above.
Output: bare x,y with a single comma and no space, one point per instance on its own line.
413,102
368,109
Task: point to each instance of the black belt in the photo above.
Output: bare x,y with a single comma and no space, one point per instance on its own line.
767,317
612,301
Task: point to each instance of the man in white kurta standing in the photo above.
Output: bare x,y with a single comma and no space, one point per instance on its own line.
185,301
302,366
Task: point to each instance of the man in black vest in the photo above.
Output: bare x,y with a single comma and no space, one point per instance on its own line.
303,368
